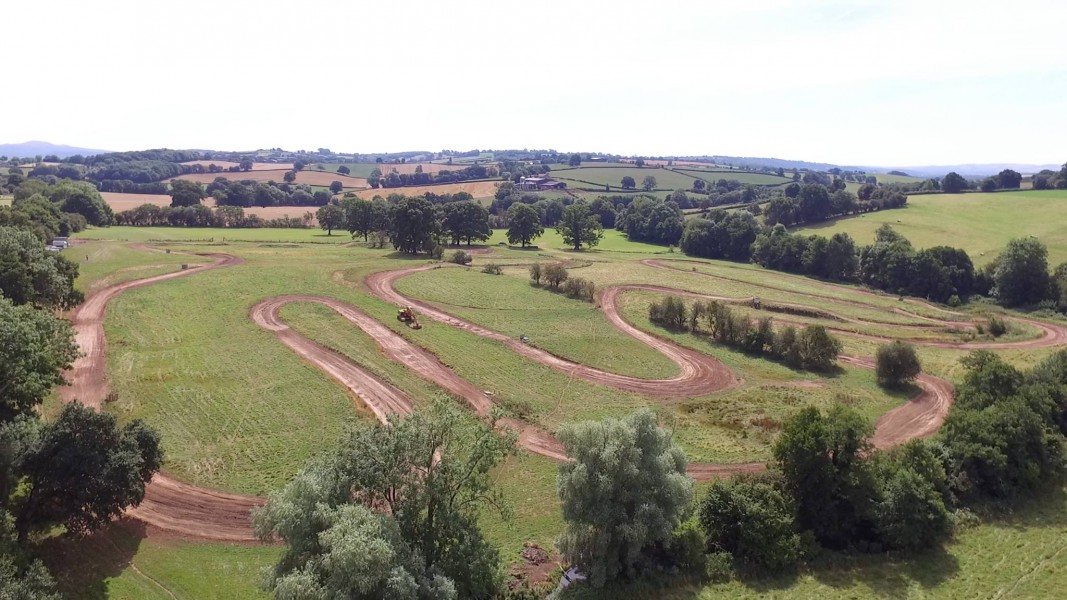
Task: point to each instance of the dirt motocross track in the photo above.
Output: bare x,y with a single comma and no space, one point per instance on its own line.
209,514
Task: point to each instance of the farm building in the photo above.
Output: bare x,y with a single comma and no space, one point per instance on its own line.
540,183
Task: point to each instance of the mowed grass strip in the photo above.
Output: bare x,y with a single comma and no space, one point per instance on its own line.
612,241
216,235
572,329
979,223
107,263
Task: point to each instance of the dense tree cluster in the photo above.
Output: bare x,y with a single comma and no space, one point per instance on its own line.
814,202
246,193
811,348
650,220
391,513
76,472
394,179
77,197
833,258
720,234
940,273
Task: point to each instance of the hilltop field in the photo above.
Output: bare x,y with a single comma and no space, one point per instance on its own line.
239,412
980,223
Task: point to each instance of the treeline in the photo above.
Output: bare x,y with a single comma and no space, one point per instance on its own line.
813,202
394,179
246,193
811,348
71,197
72,474
198,215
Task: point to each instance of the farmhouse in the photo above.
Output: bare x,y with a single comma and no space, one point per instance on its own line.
540,183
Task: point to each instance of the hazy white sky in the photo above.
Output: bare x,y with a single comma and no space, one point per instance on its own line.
872,83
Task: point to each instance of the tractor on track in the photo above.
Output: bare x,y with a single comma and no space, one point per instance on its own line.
405,314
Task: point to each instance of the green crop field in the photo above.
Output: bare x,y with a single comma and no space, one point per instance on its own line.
357,169
593,177
235,410
712,176
979,223
887,178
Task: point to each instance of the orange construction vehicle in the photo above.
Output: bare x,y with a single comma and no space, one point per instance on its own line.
406,315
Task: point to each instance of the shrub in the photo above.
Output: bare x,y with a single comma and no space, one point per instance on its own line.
896,364
718,567
535,273
578,288
493,269
461,258
554,275
753,520
817,349
997,326
437,252
953,300
669,312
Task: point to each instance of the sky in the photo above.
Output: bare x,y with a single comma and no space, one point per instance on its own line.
874,83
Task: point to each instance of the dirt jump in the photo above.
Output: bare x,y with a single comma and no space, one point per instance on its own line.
209,514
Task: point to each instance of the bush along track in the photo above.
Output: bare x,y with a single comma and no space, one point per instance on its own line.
209,514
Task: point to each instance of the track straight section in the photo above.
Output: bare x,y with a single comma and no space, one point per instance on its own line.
210,514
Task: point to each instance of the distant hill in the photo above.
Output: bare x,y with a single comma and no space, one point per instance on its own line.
971,170
750,162
30,149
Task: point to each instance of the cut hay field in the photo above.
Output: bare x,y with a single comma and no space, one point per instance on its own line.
323,178
121,202
478,189
239,411
256,166
6,200
979,223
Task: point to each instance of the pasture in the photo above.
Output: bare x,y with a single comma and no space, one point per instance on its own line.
240,412
599,176
980,223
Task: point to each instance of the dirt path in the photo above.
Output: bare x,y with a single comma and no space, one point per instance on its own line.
209,514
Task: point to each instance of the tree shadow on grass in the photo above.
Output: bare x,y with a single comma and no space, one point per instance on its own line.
81,565
887,575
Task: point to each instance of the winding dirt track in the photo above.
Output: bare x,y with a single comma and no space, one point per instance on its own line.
209,514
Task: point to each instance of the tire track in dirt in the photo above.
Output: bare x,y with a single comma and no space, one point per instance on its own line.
210,514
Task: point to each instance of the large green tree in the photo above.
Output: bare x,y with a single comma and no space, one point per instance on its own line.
413,225
465,221
623,493
954,183
753,519
35,349
364,217
330,217
524,224
82,470
427,475
579,226
29,274
186,193
1021,273
896,364
821,459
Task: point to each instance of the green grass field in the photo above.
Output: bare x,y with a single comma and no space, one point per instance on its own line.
887,178
979,223
593,177
1021,554
712,176
236,409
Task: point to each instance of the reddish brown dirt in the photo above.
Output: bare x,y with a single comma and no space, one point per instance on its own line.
203,513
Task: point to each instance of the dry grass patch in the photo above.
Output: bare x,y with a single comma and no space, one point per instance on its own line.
478,189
